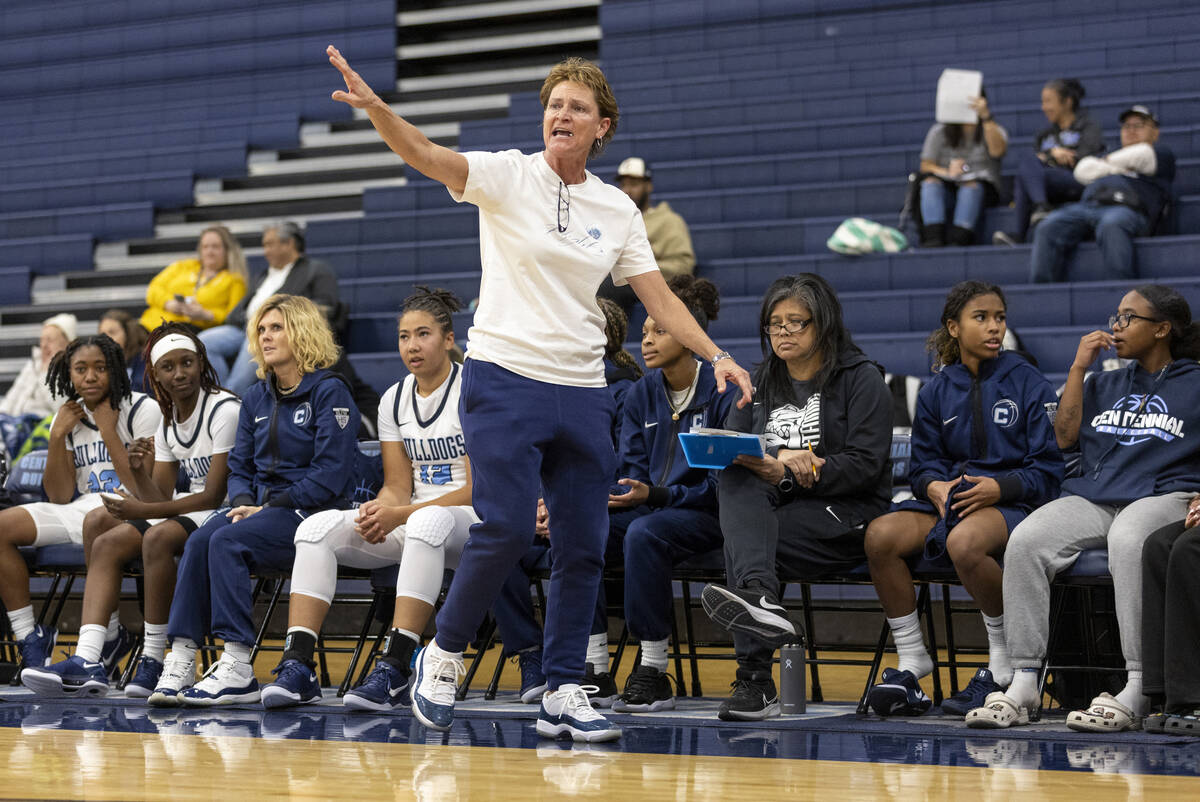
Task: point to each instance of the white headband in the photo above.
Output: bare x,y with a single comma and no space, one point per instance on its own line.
171,342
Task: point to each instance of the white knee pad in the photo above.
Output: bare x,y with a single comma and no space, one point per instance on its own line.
316,528
431,525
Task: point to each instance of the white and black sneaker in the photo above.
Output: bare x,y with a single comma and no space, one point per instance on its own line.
749,611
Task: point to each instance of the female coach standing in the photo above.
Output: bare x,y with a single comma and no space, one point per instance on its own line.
534,405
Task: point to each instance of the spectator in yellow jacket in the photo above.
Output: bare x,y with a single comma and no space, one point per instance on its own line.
201,291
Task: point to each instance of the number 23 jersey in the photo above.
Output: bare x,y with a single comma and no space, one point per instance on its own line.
431,433
138,416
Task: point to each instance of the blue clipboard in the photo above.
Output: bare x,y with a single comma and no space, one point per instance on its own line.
715,450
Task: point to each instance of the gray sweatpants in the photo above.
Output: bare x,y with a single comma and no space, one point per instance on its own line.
1050,539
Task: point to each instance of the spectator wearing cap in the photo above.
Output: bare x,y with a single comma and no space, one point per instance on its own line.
667,231
1125,195
288,272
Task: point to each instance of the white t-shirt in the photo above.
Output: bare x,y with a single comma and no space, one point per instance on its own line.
270,285
210,430
431,432
138,416
537,313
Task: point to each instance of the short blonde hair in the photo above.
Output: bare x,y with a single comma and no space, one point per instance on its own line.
586,73
235,260
308,333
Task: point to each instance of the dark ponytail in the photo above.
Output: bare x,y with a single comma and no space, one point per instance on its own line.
1174,309
944,347
616,326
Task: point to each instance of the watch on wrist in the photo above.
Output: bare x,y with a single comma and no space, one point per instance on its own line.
788,483
718,356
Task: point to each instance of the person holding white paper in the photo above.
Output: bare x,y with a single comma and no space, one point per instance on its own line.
804,506
960,168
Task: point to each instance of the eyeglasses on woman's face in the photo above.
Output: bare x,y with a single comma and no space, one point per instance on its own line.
1122,320
790,327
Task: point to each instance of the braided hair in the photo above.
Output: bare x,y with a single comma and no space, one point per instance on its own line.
58,376
616,326
440,304
209,381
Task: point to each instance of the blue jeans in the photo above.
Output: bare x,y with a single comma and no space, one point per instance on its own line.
1038,184
1114,227
227,350
937,197
511,450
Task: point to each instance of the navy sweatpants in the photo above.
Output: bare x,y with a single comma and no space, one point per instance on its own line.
524,435
213,587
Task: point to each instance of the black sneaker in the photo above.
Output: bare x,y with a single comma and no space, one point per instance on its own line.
606,690
749,611
751,700
647,690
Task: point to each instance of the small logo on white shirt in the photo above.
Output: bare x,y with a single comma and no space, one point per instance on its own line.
595,232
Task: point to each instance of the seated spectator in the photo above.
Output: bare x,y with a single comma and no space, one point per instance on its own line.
1126,193
1139,467
88,455
513,608
804,506
667,231
960,169
155,521
294,456
1171,625
1045,174
128,333
420,519
974,477
200,292
29,399
289,272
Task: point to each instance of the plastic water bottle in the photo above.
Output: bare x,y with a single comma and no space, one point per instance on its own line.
793,694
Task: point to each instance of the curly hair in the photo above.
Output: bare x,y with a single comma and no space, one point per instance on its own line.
586,73
308,333
616,326
58,376
944,347
699,295
440,304
209,381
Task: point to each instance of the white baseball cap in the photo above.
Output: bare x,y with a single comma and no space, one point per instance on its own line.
634,167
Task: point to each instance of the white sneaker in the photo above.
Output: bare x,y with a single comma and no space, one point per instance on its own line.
178,673
435,685
228,682
568,711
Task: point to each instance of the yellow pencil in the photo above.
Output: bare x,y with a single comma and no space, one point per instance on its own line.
808,444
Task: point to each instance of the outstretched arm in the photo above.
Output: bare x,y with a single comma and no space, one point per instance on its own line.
405,139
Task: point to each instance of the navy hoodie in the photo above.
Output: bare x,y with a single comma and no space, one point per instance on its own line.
1139,434
296,450
995,424
650,450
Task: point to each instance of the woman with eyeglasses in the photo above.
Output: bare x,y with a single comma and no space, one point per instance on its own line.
983,456
1138,434
804,506
535,407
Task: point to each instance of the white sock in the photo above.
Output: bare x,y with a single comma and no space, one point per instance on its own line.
435,651
998,663
154,640
1024,688
654,653
91,642
184,648
22,622
412,636
1131,696
910,645
597,652
114,627
239,652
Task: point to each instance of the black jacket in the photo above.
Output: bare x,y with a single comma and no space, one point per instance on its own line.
855,435
1083,136
311,278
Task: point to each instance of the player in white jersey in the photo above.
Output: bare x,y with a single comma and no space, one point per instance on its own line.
420,519
198,427
87,455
